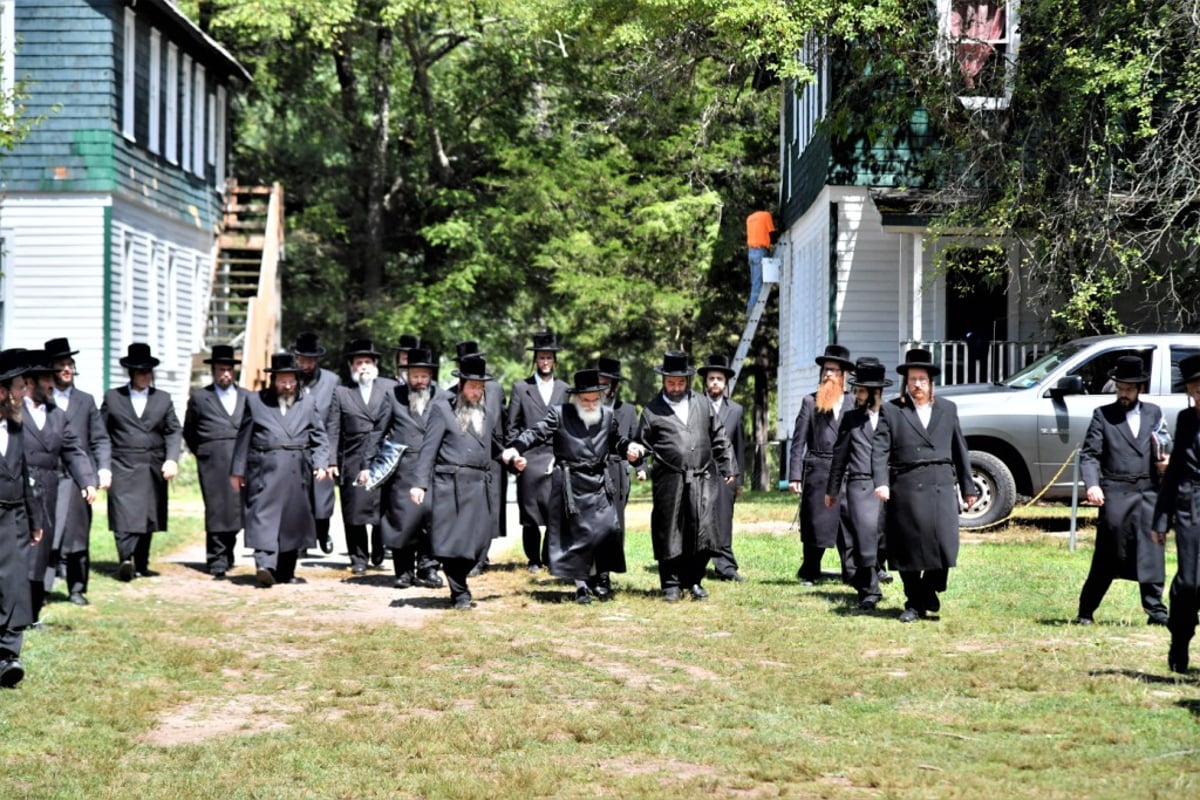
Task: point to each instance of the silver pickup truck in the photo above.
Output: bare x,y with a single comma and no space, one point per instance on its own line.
1022,430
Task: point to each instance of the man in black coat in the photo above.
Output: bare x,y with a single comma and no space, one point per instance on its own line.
626,416
582,528
690,457
21,521
716,374
280,450
813,435
1177,506
406,524
850,476
454,467
52,450
319,383
72,512
1120,468
210,428
920,465
493,399
146,439
359,411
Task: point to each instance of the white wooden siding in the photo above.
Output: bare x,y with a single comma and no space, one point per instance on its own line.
803,308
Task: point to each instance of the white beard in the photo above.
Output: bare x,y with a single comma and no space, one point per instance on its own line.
469,415
418,401
366,375
590,418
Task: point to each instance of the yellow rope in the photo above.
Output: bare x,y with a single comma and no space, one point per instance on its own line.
1035,498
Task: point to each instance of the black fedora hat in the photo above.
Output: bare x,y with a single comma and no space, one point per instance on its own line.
421,357
139,357
676,364
586,380
472,368
545,341
222,354
1189,369
870,373
307,345
716,363
37,361
361,347
610,368
13,363
283,362
1130,369
919,358
836,353
466,349
58,348
407,342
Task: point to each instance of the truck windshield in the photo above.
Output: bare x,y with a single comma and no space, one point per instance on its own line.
1037,371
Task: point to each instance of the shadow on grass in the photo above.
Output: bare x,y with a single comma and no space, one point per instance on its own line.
1146,677
1192,706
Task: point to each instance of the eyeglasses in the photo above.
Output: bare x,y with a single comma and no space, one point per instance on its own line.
918,381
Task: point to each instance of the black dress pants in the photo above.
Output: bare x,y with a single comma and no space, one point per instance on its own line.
134,547
220,550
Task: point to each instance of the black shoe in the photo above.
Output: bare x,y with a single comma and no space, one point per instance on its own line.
935,602
1157,619
671,594
884,576
1082,620
326,543
358,569
219,575
428,578
735,577
126,572
583,596
265,577
377,558
476,571
602,587
867,604
146,572
11,672
698,592
911,615
404,580
78,599
534,569
1177,657
462,602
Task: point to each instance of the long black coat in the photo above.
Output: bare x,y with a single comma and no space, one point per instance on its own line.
210,433
731,416
455,469
47,451
19,516
402,518
583,530
350,425
493,401
1178,502
276,455
137,500
320,391
72,514
626,416
850,470
1121,464
923,467
526,409
813,437
688,462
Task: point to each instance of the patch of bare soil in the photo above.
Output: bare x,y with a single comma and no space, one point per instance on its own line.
208,719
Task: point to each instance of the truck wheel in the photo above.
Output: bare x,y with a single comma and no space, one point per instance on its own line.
995,487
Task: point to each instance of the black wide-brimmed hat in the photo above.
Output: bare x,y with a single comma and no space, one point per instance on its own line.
1189,369
307,345
283,362
545,340
676,364
407,343
138,357
870,373
586,380
1130,369
421,357
836,353
472,368
610,368
222,354
467,348
920,359
13,363
58,348
361,347
37,361
716,363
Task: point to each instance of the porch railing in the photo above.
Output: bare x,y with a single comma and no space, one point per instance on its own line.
966,361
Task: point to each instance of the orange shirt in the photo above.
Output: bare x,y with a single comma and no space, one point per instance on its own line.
759,227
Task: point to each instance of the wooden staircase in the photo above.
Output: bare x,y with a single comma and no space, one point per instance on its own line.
245,302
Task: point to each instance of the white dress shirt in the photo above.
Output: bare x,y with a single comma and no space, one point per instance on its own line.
924,412
139,400
1134,417
546,389
680,408
37,412
228,398
62,399
3,437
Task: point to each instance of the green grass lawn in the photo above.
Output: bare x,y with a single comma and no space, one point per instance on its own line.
177,687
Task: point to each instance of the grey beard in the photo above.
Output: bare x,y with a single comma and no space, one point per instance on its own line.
366,378
287,401
418,401
469,415
589,418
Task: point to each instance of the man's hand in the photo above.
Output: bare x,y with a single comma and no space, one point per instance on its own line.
794,486
830,501
884,493
730,480
417,495
641,475
169,470
89,494
1162,464
321,474
970,500
1095,495
635,452
363,477
236,482
331,471
35,536
1159,537
105,478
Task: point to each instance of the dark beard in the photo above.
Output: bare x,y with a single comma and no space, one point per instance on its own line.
469,415
677,396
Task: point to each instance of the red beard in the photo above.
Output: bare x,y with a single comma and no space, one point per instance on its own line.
829,396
